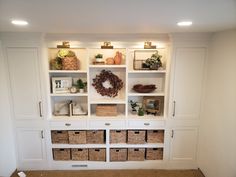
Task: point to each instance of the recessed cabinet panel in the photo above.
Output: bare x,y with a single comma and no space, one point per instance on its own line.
31,145
187,82
25,82
183,144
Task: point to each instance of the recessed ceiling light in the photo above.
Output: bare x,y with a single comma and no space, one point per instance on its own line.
185,23
19,22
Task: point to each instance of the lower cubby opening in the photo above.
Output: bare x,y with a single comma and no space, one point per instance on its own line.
78,136
123,145
79,154
99,154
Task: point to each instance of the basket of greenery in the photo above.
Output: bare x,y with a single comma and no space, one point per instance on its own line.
154,62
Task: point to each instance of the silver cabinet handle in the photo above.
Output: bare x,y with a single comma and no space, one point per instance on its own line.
174,103
147,124
172,133
67,124
107,124
42,135
40,109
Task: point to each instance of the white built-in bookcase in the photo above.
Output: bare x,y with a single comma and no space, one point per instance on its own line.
88,100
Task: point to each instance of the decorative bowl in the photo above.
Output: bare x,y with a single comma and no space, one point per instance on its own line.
144,88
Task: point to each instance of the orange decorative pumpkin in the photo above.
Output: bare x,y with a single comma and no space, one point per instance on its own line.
110,61
118,58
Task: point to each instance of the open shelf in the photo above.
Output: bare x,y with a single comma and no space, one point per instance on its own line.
67,118
68,94
143,54
107,53
107,66
108,101
145,117
68,71
132,93
119,116
146,71
146,145
81,54
79,146
96,97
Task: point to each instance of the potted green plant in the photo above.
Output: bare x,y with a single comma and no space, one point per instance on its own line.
134,106
141,111
81,85
99,57
154,62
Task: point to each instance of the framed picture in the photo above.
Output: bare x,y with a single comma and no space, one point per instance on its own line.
61,84
153,105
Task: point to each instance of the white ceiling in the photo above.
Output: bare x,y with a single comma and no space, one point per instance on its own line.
118,16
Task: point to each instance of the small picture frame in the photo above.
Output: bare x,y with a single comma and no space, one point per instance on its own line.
61,84
153,105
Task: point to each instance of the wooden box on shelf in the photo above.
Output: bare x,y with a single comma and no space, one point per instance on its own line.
79,154
136,154
106,110
95,137
61,154
155,136
97,154
154,154
60,137
118,136
118,154
77,137
136,136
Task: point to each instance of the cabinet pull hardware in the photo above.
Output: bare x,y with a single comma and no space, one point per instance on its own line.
42,136
172,133
67,124
174,103
40,109
107,124
147,124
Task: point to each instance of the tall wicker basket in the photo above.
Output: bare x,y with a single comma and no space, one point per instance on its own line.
70,63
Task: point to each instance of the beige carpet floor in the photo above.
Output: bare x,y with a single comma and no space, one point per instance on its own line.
114,173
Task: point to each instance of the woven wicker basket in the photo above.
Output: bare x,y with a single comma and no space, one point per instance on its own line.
61,154
79,154
136,136
70,63
154,153
118,136
136,154
155,136
77,137
95,137
60,137
97,154
118,154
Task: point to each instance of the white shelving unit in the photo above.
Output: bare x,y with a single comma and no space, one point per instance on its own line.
125,120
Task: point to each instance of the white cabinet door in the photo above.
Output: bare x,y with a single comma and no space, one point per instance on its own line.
25,82
31,148
187,83
183,144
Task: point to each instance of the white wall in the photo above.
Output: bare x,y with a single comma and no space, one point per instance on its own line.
217,144
7,151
